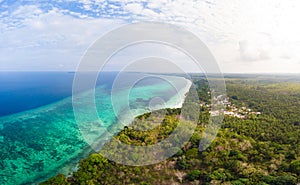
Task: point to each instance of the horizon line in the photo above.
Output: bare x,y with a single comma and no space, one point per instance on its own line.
189,72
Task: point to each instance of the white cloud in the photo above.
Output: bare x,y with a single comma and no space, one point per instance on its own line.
236,31
257,48
47,40
134,8
251,31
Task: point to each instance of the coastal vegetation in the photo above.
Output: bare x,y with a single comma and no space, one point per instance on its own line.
261,148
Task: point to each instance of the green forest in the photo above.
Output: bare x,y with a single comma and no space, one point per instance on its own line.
259,149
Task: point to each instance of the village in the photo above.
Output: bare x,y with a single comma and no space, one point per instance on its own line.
230,109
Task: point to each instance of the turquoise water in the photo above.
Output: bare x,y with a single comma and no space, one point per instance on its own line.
39,143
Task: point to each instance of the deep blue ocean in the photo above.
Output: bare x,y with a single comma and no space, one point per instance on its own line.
20,91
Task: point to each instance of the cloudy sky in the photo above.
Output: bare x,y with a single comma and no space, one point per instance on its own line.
244,36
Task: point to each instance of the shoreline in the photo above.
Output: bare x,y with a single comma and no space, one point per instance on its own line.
72,167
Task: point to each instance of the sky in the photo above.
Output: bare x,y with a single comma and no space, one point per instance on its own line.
244,36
